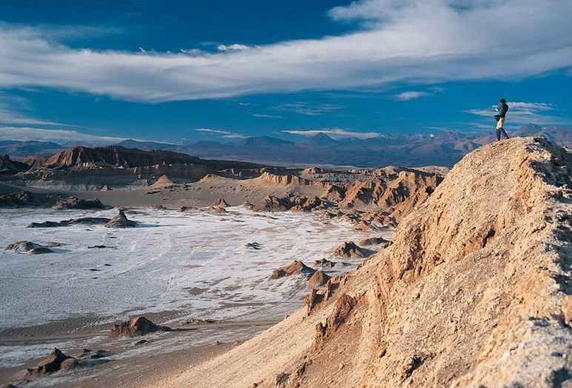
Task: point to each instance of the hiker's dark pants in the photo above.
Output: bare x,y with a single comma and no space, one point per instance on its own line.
500,133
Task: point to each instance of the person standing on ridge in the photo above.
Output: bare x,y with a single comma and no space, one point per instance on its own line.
501,109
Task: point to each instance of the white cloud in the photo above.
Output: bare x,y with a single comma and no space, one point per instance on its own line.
412,95
335,133
306,109
232,47
525,113
221,133
55,135
265,116
429,41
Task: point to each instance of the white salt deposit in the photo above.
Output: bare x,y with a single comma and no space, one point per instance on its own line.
196,262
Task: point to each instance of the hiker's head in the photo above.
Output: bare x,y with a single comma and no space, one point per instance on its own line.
503,100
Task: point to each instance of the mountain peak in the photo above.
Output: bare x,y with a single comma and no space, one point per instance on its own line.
322,139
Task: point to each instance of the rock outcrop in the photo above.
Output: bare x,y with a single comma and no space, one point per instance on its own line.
374,241
325,263
115,156
289,179
56,361
28,247
76,203
296,268
74,221
220,203
10,167
162,182
26,198
474,292
318,279
350,250
292,202
120,221
135,327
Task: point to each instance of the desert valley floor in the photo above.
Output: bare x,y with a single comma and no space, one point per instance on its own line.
206,273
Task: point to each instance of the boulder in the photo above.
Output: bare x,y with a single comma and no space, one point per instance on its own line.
28,247
248,205
120,221
135,327
296,268
372,241
220,203
76,203
324,263
350,250
56,361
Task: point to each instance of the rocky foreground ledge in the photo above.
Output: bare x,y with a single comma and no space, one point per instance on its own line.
474,292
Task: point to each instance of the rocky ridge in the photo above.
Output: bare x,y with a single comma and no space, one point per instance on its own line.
474,292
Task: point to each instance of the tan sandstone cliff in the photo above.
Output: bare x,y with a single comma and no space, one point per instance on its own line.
474,292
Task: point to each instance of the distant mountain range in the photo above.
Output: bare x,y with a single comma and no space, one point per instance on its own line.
444,148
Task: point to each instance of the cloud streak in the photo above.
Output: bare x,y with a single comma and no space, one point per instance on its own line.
221,133
421,41
412,95
306,109
336,133
525,113
60,136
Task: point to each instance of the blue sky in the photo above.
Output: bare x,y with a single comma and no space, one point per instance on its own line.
194,70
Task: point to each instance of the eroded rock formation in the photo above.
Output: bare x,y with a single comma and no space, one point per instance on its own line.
120,221
76,203
350,250
56,361
473,293
296,268
135,327
28,247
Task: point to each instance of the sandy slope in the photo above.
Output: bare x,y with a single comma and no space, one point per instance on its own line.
473,293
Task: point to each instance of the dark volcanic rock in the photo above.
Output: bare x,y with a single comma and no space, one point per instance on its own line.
30,247
94,354
11,167
55,362
120,221
136,326
76,203
73,221
297,267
